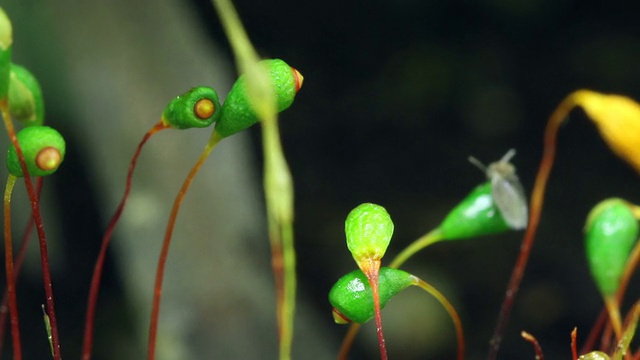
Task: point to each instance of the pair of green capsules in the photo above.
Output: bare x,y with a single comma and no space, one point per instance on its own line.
21,97
351,296
493,207
611,232
200,106
44,147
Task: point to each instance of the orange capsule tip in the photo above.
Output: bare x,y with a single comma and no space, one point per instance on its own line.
299,79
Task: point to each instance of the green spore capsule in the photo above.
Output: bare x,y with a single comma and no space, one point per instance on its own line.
198,107
6,41
237,113
594,355
611,231
352,298
476,215
25,97
369,229
43,148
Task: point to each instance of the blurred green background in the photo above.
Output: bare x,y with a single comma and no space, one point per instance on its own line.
396,96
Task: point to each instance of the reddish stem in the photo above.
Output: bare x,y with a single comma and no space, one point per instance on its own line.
536,346
11,283
277,264
106,239
589,344
574,343
371,268
18,264
155,310
537,199
42,237
348,341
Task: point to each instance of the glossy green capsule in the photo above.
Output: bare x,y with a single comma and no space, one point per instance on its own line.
611,232
476,215
43,148
594,355
197,108
6,42
237,113
352,298
25,97
368,228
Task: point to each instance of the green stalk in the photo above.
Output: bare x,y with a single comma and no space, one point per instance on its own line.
425,240
278,185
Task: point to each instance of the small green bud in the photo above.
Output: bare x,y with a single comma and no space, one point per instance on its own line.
594,355
6,41
237,113
352,298
611,231
25,96
198,107
43,149
476,215
369,229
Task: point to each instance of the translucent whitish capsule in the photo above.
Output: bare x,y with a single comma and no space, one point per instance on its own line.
506,190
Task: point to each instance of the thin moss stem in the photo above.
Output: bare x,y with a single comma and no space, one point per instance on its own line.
455,318
42,237
162,260
11,282
425,240
278,184
92,301
537,198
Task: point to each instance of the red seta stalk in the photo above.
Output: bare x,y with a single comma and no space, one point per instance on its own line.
17,265
162,260
537,199
11,283
106,239
371,268
42,237
574,344
536,346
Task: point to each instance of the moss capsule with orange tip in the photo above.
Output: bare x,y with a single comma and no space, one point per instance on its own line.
197,108
43,148
237,112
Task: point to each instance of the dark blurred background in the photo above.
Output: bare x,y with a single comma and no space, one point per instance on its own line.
396,96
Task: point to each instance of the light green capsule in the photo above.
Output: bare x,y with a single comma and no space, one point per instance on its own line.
369,229
198,107
352,298
25,97
237,113
43,148
594,355
475,216
611,232
6,42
